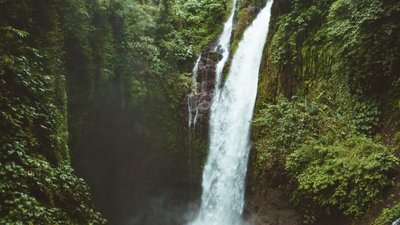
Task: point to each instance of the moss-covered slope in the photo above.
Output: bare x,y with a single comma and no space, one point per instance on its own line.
327,116
37,183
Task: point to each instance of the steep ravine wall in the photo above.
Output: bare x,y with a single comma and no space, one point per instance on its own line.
304,59
272,205
37,182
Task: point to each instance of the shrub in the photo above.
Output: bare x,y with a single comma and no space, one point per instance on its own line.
348,176
280,129
32,191
330,166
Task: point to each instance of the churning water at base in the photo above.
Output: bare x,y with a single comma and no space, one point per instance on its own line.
224,173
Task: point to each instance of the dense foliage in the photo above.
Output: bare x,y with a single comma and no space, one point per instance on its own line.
332,144
115,64
350,175
131,125
330,166
98,84
203,18
388,216
38,185
355,41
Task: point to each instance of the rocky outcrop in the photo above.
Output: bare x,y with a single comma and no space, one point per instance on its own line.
198,99
272,208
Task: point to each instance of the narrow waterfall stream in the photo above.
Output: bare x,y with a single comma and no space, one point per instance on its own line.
224,173
222,47
192,101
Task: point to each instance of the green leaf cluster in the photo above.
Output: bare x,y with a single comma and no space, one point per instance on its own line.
199,21
388,215
33,191
37,184
330,166
348,176
356,40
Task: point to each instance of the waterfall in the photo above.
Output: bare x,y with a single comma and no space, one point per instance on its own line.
195,71
397,222
192,98
222,47
224,174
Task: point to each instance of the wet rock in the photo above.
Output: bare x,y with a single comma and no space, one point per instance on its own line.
197,102
272,208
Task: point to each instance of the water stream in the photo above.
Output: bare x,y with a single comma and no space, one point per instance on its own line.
222,47
224,174
192,98
397,222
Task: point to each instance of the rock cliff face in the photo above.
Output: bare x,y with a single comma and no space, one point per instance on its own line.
197,101
302,67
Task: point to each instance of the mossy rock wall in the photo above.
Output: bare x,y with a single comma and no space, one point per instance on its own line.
343,58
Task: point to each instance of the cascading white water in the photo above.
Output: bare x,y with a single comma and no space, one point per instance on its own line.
195,72
222,47
397,222
225,170
192,98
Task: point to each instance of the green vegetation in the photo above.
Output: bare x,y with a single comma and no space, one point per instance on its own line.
349,175
388,216
354,40
204,18
330,166
331,145
103,81
67,68
36,192
38,185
